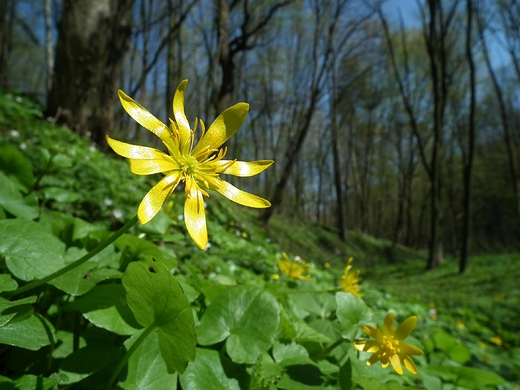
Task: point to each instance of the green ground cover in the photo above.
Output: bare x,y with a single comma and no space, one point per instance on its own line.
253,327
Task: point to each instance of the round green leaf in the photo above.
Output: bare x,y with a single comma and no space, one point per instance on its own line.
352,311
206,372
30,251
82,279
105,306
157,300
247,316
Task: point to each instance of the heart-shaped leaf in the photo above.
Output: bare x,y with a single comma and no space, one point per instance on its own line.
247,316
157,300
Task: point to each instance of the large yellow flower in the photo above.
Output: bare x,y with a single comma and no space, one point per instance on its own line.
293,269
198,166
350,280
389,346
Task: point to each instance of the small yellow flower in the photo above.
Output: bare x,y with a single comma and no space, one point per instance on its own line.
496,340
389,347
350,280
275,277
461,325
198,166
293,269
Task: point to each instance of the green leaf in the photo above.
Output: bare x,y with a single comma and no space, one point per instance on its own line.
7,283
31,382
345,376
105,306
11,311
159,225
88,360
247,316
206,372
82,279
455,349
146,368
295,329
374,384
352,313
12,200
14,164
60,195
32,333
467,377
30,251
156,299
301,377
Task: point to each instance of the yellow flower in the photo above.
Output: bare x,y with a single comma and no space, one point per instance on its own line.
198,166
293,269
350,280
389,346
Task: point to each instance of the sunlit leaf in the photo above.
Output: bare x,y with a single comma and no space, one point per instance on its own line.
247,316
157,300
206,372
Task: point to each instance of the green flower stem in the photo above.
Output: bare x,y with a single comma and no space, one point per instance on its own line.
77,263
129,353
328,350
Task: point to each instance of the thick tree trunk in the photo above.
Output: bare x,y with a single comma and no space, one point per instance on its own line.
93,39
5,30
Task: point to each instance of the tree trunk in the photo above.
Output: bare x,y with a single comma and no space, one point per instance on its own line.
93,39
468,163
5,31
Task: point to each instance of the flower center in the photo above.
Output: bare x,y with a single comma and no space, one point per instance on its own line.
390,346
189,165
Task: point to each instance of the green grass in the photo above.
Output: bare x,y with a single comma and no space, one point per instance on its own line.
479,308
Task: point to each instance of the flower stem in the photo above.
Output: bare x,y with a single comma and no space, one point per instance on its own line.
129,353
75,264
328,350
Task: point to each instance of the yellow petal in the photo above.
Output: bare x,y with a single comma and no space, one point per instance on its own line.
223,127
407,349
242,168
410,365
155,198
388,327
374,358
178,112
374,333
195,214
396,364
237,195
133,151
404,330
149,167
142,116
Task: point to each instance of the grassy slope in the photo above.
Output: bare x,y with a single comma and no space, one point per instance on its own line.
487,294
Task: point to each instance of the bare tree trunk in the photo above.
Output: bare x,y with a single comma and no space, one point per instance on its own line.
93,39
508,136
49,55
468,163
338,185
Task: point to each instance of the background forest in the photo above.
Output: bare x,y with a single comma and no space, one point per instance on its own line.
397,120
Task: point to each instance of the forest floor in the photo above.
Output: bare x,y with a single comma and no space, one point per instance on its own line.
469,321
